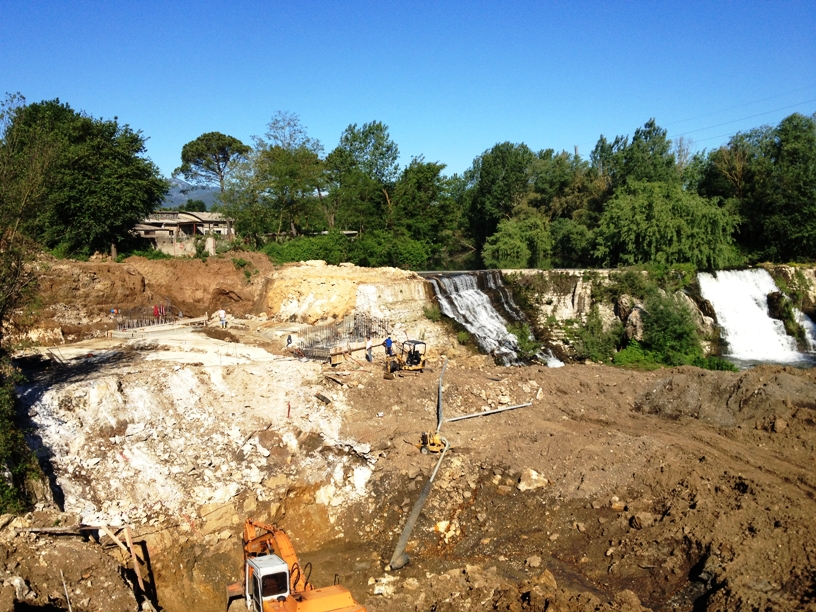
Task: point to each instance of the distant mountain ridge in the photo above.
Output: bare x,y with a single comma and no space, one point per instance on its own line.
176,196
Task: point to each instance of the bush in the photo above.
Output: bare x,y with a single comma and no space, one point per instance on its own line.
633,356
331,248
15,457
151,254
432,313
463,337
669,330
592,342
712,362
528,347
378,248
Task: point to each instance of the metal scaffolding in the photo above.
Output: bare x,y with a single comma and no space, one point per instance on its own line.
319,341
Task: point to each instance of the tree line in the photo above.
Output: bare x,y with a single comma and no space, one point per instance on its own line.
637,200
75,184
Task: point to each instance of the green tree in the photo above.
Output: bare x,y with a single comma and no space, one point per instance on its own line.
360,173
778,202
500,181
426,210
372,150
194,206
660,222
99,185
519,243
208,159
27,156
648,157
28,153
248,203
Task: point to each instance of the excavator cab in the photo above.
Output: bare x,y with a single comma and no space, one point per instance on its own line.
411,358
267,579
275,581
413,355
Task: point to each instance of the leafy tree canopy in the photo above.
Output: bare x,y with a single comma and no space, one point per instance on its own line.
501,181
208,159
194,206
99,186
370,148
662,223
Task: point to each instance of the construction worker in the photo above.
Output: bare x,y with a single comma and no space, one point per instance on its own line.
369,350
388,344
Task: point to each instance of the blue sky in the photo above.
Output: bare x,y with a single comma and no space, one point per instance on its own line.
450,79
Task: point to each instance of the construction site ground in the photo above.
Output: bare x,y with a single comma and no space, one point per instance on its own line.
676,489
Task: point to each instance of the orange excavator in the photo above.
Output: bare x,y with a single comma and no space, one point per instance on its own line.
275,581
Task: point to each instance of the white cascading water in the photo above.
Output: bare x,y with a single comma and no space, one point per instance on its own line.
461,299
740,299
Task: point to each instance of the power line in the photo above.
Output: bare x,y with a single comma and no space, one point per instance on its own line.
776,110
716,112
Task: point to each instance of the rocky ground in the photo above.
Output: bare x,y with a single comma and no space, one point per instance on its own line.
615,490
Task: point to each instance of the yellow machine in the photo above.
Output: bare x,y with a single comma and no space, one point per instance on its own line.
430,442
275,581
411,358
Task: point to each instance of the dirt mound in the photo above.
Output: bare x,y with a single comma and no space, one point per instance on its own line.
315,292
35,564
761,394
192,285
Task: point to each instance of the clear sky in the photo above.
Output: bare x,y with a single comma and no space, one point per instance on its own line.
450,79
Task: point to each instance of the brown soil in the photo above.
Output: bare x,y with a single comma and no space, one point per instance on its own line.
678,489
192,285
672,490
34,566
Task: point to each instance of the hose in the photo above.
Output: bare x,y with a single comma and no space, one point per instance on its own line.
400,558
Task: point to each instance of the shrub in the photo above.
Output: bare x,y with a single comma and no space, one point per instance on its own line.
592,342
332,248
151,254
432,313
669,330
528,347
15,457
712,362
463,337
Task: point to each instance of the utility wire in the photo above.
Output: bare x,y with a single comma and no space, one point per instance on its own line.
776,110
727,122
716,112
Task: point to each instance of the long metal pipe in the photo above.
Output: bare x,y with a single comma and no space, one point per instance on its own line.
439,418
487,412
400,558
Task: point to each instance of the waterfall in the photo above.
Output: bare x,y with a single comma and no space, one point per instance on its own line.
461,299
740,298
